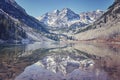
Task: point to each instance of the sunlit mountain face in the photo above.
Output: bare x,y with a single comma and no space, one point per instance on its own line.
67,18
67,21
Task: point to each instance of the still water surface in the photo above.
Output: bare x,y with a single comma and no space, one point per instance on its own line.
46,61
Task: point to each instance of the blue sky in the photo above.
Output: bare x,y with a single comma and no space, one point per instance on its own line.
39,7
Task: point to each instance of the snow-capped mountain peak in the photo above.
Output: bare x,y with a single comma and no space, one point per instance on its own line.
90,17
68,18
68,14
66,10
56,11
98,10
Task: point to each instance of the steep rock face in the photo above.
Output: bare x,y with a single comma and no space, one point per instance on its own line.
68,15
59,18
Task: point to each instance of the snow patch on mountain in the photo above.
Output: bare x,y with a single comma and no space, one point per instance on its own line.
90,17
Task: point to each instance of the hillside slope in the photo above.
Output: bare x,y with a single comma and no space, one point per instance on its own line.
17,26
106,28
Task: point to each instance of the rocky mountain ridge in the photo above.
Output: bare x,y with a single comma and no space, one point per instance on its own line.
68,18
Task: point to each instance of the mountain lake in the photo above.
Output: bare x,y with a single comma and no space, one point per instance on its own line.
60,61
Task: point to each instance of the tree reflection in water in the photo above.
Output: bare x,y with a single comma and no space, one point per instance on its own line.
76,62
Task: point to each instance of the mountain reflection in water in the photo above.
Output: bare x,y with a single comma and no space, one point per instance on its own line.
45,61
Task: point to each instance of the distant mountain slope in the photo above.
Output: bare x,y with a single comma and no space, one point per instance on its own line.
90,17
106,28
67,22
67,18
